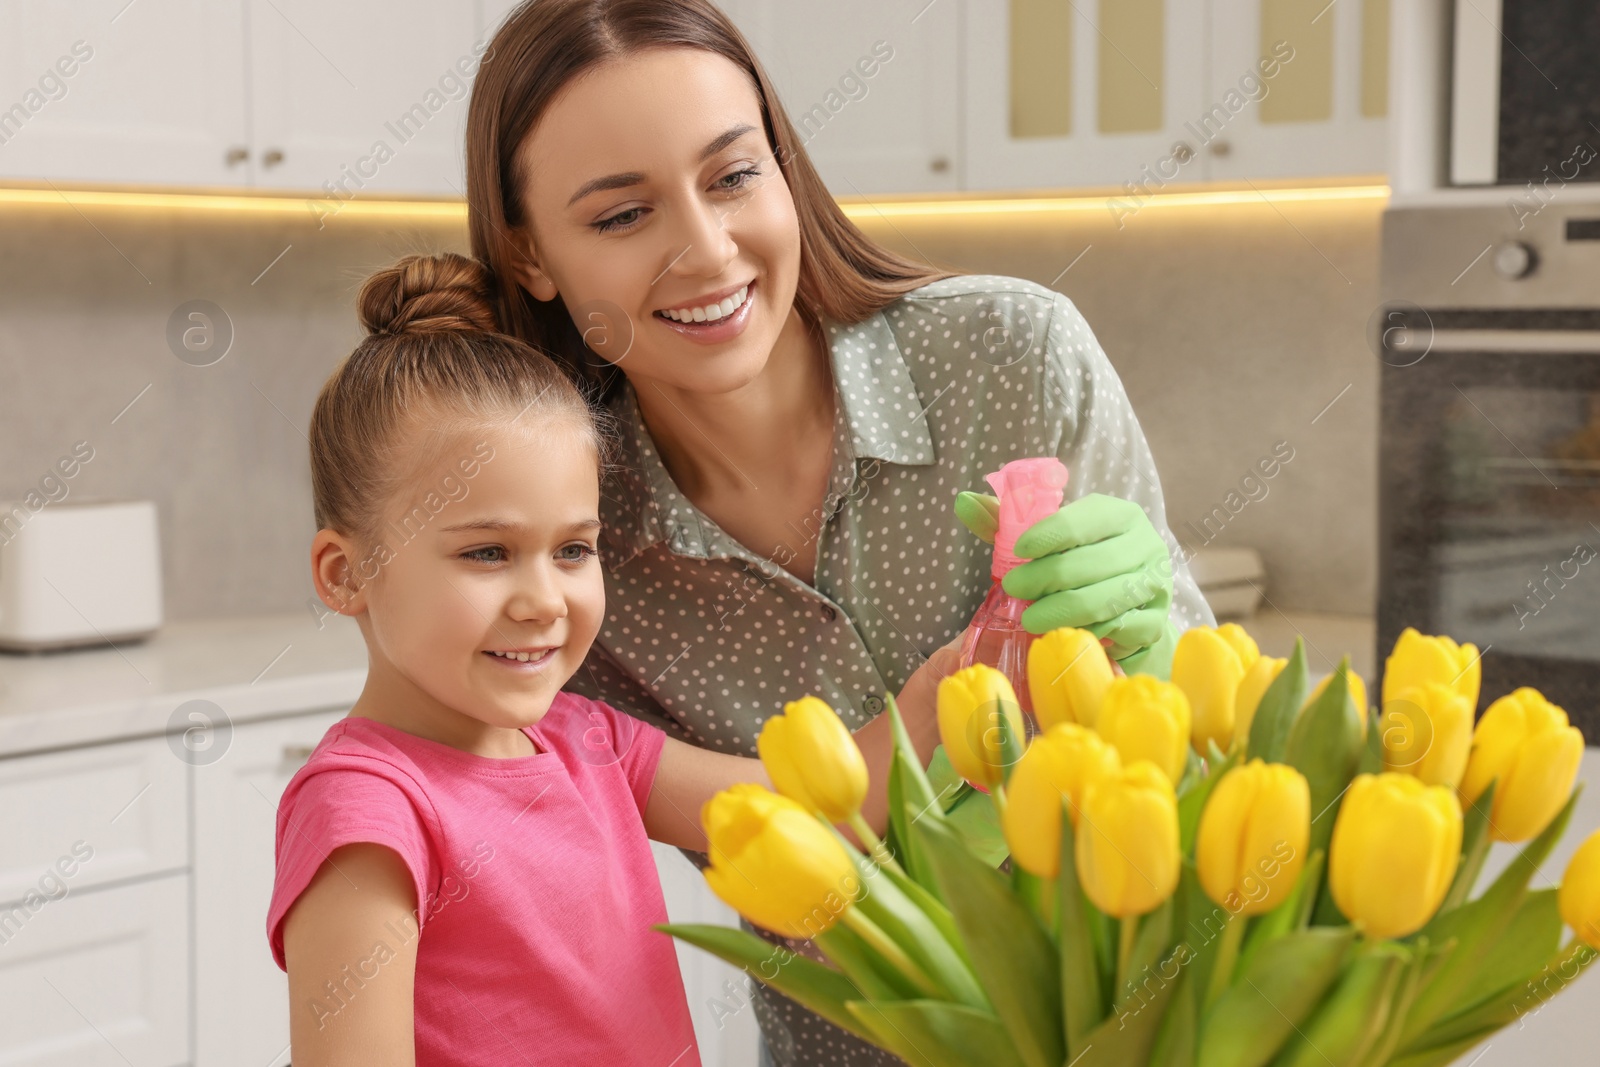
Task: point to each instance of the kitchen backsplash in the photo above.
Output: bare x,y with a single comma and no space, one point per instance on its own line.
1239,332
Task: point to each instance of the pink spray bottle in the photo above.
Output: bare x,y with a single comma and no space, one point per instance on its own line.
1028,490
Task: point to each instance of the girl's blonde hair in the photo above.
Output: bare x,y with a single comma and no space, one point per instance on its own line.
431,366
541,47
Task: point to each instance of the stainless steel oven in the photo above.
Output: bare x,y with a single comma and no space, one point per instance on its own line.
1489,490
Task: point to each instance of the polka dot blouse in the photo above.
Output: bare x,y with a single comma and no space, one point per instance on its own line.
706,639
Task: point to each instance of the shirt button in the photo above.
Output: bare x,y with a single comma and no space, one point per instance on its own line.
828,613
873,703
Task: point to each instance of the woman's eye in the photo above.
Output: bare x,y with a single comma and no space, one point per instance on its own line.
584,552
627,220
479,554
611,224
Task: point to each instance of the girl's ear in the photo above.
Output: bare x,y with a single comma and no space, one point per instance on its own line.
334,573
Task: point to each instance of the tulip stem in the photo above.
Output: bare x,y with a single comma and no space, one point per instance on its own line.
1227,956
998,792
876,849
1128,931
885,946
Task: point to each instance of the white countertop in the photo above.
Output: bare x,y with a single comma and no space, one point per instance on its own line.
251,668
263,666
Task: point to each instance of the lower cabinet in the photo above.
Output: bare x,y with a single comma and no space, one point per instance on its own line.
98,977
241,997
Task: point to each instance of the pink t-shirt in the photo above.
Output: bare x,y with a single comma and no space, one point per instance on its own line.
535,882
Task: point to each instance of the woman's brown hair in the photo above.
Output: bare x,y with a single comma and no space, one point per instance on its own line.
544,44
431,363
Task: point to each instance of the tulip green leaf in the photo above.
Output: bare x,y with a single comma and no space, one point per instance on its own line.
1200,922
1504,974
1474,848
1128,1036
921,936
1175,1037
1150,947
812,985
932,1033
1372,754
1081,1004
873,976
1478,925
1011,953
1351,1021
1268,1000
911,796
1292,914
1325,744
1193,768
1442,1055
1521,998
1275,714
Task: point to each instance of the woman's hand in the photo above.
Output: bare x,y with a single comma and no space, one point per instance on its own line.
1097,564
918,705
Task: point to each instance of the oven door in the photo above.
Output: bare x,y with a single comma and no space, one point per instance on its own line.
1489,505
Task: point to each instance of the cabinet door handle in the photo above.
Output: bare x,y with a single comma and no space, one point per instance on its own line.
939,164
236,155
272,157
297,754
1220,148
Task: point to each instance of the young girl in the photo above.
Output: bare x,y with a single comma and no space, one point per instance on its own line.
463,870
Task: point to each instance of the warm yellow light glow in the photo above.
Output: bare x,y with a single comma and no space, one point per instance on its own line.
317,207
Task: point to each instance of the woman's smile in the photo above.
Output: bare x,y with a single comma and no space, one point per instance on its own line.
714,321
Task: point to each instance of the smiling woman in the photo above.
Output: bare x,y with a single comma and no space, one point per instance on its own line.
761,355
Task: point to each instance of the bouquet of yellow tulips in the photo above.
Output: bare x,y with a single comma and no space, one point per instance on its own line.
1227,869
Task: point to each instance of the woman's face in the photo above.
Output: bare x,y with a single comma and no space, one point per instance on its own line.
649,185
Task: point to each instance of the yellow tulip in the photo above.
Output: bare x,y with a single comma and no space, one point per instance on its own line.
970,704
1524,741
813,760
1127,844
1068,672
1427,732
1418,658
1579,898
1208,666
1061,762
1253,836
1252,688
774,863
1147,718
1395,846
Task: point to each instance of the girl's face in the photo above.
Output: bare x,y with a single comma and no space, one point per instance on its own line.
650,186
491,549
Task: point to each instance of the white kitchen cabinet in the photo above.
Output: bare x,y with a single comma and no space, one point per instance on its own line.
107,91
99,978
1324,112
108,813
241,997
873,90
361,97
1149,92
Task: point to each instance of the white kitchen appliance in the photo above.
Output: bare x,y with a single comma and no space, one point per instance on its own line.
78,573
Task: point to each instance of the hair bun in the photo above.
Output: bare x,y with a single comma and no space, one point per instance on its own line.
428,294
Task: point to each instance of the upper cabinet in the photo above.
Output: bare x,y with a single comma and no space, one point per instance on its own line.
873,90
1154,91
369,97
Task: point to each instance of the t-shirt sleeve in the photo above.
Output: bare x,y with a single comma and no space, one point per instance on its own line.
634,744
341,806
1099,438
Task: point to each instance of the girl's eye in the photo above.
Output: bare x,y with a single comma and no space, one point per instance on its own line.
477,554
614,225
584,551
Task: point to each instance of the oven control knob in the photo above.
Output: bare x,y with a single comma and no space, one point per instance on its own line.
1513,260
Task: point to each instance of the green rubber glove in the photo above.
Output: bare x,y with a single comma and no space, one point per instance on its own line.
1097,564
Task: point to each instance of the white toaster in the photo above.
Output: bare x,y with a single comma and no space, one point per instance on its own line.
78,573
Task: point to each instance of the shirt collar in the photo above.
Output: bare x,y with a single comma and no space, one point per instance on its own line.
641,506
